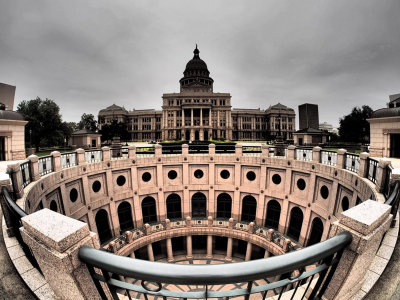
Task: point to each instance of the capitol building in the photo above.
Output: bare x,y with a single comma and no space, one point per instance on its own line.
197,113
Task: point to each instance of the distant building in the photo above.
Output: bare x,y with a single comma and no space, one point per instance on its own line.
85,139
197,113
12,126
385,129
308,116
326,127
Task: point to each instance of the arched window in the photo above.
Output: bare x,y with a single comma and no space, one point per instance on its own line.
296,221
249,207
273,214
199,205
224,206
317,228
174,206
149,210
103,226
125,216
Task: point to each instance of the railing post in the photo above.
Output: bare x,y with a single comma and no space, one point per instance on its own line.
265,150
189,254
80,157
367,223
56,161
316,154
341,159
54,240
211,149
4,208
132,151
238,150
157,150
16,178
381,174
363,170
34,167
185,150
106,153
291,149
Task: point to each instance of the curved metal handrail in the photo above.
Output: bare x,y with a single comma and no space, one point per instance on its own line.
12,206
213,274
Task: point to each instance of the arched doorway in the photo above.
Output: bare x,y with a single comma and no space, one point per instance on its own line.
187,135
273,214
149,210
125,216
295,224
196,135
317,228
103,226
224,206
199,205
174,210
249,208
205,135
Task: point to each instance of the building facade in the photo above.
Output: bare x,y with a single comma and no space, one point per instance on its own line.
308,116
197,113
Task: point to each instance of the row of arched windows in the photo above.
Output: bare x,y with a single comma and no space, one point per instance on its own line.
199,210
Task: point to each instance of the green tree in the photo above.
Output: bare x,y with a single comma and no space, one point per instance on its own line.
88,122
108,131
354,127
44,122
68,129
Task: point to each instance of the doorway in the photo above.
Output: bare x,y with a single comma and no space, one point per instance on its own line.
2,148
395,145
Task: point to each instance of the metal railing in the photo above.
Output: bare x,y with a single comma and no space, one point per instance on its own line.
372,169
328,157
145,151
312,265
171,149
224,149
198,149
352,162
251,150
304,154
393,200
25,168
68,160
92,156
45,165
16,213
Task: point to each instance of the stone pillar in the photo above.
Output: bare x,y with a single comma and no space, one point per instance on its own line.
183,118
185,149
80,157
267,254
229,250
238,150
286,245
170,255
248,251
157,150
211,149
265,151
210,123
381,174
191,117
54,240
34,167
56,161
201,117
209,238
16,178
316,154
132,152
341,159
291,152
367,223
106,153
150,252
363,170
189,254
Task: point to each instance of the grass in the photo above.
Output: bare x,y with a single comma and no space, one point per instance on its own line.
45,153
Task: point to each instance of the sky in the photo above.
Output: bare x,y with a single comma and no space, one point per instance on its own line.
87,55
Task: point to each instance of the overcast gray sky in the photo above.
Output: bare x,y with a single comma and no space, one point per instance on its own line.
87,55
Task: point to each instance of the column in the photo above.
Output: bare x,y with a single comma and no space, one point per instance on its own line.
341,159
170,255
191,117
189,254
209,246
209,121
150,252
316,154
267,254
248,251
201,117
183,117
229,250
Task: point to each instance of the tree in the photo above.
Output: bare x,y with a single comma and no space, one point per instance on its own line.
68,129
44,122
354,127
108,131
88,122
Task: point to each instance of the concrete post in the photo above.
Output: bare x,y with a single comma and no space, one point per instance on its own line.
286,245
367,223
291,149
80,157
265,151
248,251
238,150
270,234
16,178
381,174
170,255
157,150
341,159
55,240
56,161
185,149
363,170
34,167
150,252
211,149
316,154
229,250
106,153
189,254
131,152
